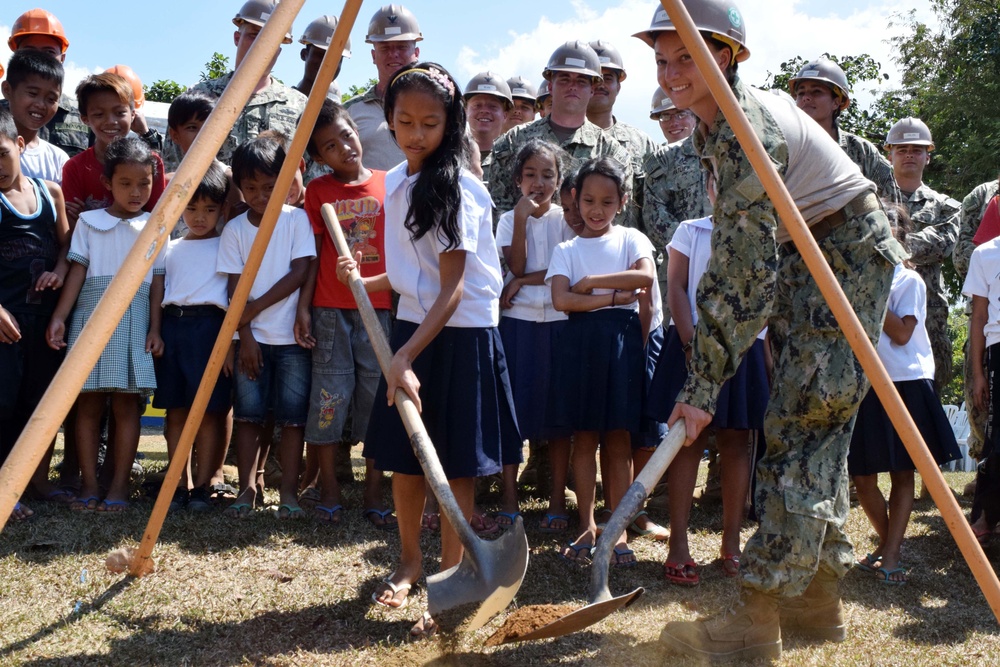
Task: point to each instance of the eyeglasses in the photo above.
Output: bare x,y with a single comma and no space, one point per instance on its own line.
674,114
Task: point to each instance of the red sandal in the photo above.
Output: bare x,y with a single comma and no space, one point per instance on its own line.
682,574
731,565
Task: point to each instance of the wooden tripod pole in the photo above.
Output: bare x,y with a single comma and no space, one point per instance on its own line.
65,386
846,317
196,413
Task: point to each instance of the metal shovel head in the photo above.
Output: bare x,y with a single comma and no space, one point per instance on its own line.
468,595
579,619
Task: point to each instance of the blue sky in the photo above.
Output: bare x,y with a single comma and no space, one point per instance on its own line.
510,37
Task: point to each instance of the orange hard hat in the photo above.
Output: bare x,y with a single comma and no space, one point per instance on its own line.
37,22
125,72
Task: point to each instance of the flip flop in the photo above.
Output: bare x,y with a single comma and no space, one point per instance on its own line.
292,512
424,628
310,496
106,505
546,524
506,519
658,534
624,553
238,511
884,574
483,525
83,504
17,515
578,558
383,516
61,496
319,512
731,565
396,589
868,563
431,522
682,574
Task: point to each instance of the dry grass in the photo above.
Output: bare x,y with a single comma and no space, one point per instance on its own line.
266,592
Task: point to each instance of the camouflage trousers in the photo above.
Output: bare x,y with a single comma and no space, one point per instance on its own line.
802,490
978,419
937,331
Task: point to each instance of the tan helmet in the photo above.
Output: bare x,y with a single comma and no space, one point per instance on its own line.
37,22
722,18
825,71
320,32
489,83
127,73
393,23
661,102
575,56
610,57
911,131
257,12
521,89
543,94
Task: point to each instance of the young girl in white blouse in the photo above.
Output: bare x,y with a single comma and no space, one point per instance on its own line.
101,241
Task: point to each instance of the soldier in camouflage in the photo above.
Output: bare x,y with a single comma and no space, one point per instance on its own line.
973,209
488,102
820,89
600,112
935,225
40,30
756,277
571,84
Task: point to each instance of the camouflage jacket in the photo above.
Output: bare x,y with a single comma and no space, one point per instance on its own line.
973,208
935,230
674,190
639,147
588,141
873,165
277,107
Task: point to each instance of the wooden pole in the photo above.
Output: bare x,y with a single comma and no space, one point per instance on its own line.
846,317
196,413
65,386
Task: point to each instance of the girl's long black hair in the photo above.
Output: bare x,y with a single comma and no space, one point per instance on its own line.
436,197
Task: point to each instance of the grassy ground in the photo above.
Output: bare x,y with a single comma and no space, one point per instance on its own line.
266,592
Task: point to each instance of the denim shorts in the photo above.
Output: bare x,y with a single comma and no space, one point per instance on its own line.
345,374
281,388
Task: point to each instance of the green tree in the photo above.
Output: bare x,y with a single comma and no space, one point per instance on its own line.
215,68
163,90
354,90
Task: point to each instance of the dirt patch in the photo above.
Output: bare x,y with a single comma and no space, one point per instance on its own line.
528,619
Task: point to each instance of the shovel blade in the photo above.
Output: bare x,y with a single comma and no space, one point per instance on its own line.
468,595
579,619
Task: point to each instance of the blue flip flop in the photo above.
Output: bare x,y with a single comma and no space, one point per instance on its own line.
578,559
319,510
384,515
510,516
619,553
549,518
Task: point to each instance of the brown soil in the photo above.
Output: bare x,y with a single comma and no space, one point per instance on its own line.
528,619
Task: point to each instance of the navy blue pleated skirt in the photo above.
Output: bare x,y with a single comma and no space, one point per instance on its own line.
468,408
875,446
597,372
651,432
742,399
528,347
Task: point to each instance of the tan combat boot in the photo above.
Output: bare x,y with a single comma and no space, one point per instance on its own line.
817,614
749,630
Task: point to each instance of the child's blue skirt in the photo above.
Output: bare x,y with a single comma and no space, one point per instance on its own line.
875,446
597,372
529,347
468,408
742,399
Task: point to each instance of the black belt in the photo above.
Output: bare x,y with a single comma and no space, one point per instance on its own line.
860,205
192,311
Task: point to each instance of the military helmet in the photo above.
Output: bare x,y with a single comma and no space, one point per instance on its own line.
543,93
257,12
721,18
912,131
320,32
393,23
610,57
489,83
825,71
127,73
37,22
521,88
575,56
661,102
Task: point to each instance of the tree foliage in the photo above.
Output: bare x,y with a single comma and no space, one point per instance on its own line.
164,90
216,67
354,90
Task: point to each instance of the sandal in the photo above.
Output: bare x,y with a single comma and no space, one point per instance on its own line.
292,512
112,506
310,497
21,513
884,576
624,558
682,574
546,525
483,525
731,565
869,563
238,511
506,519
324,514
221,493
653,530
88,504
383,521
578,558
431,522
424,628
61,496
395,589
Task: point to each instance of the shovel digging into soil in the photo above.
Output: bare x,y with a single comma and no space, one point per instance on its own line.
483,584
547,621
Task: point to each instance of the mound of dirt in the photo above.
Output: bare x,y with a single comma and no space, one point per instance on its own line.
526,620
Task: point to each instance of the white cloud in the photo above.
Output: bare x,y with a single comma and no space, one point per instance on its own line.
777,30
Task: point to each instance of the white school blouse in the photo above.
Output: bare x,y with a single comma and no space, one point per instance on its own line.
914,360
191,278
984,280
101,242
534,302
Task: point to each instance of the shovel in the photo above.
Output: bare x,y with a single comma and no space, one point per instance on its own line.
483,584
601,603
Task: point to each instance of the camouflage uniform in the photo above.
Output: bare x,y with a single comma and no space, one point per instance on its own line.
639,147
802,497
380,149
935,230
588,141
873,165
277,107
973,208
